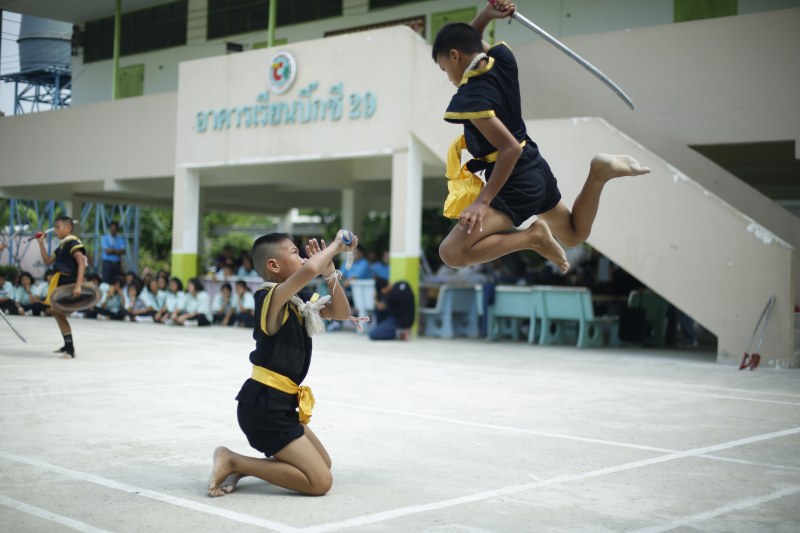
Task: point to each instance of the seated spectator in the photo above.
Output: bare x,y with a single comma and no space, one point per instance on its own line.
26,296
102,286
113,305
174,302
136,305
245,306
227,271
41,287
196,307
395,311
227,253
380,267
222,307
153,295
131,277
7,293
359,269
247,270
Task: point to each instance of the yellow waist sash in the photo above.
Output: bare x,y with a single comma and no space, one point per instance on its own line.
305,398
463,186
52,287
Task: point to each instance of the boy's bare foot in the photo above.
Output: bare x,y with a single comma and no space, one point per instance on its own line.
543,243
607,167
229,485
220,471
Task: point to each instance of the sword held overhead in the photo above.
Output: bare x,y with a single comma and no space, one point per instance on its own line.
581,61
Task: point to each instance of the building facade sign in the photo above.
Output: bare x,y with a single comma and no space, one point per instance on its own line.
310,105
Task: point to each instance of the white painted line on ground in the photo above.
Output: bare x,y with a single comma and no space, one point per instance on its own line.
549,376
727,397
49,516
84,390
719,511
401,512
146,493
512,429
515,429
750,463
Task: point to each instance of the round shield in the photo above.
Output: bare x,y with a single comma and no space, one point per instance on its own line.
63,301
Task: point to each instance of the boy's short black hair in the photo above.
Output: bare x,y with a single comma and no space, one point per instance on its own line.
66,219
458,36
226,285
265,248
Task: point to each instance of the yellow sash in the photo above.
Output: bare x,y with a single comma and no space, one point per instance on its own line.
462,185
305,398
52,287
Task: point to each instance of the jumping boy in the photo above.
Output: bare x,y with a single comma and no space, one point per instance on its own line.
70,265
268,401
519,183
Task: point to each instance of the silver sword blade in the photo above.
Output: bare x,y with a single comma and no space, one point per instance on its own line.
585,64
13,329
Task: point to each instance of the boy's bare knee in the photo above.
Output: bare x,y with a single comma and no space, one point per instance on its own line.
572,242
450,257
321,484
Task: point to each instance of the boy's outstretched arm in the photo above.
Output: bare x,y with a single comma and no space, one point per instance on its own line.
500,9
508,152
312,268
339,307
46,259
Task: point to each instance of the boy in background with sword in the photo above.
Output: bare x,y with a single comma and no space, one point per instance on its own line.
70,265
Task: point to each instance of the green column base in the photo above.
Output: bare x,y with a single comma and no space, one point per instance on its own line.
184,266
407,269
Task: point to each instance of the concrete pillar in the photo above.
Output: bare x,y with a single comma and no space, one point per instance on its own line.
186,214
349,209
287,221
405,240
74,208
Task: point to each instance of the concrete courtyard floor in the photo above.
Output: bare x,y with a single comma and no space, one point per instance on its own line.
426,435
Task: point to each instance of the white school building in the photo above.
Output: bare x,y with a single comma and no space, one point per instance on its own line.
353,121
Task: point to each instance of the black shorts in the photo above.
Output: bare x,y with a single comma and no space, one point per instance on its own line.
64,279
530,190
268,417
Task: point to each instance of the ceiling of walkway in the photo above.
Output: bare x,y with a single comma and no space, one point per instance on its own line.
270,188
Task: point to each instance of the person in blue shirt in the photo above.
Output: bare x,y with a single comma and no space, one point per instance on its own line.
360,268
380,268
113,250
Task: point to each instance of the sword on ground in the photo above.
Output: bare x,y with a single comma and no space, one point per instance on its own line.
13,329
581,61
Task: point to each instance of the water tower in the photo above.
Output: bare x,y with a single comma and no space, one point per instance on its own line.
45,76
